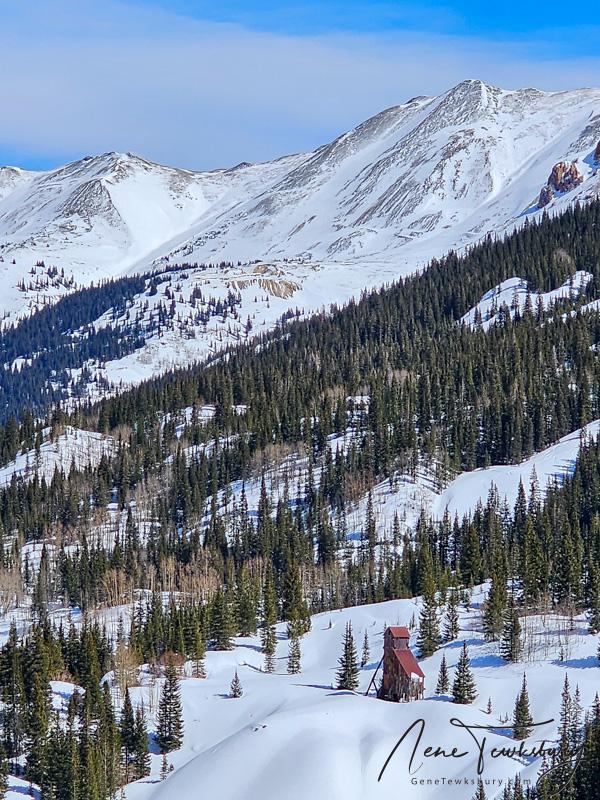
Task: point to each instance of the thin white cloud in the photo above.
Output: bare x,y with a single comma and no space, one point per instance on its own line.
83,77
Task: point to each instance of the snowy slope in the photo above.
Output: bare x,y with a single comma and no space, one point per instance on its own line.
72,447
511,296
97,217
379,201
309,230
415,180
295,737
551,465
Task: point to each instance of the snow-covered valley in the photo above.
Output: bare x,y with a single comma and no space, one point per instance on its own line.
296,736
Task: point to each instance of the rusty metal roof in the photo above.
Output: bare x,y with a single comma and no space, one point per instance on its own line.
399,633
409,663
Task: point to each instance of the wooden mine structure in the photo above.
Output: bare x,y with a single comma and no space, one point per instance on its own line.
403,678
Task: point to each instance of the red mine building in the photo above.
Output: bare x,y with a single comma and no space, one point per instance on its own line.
403,678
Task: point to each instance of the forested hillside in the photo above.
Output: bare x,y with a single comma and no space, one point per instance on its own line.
310,419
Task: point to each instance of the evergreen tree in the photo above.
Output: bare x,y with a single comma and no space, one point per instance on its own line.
37,729
366,652
294,656
347,675
480,793
222,623
494,609
236,686
522,719
3,773
594,599
199,670
141,749
429,630
268,634
463,688
452,620
443,681
511,646
169,725
128,737
164,767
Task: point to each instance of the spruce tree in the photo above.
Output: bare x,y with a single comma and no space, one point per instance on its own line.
141,749
164,767
463,688
494,609
268,634
169,724
294,656
594,599
127,730
511,646
3,773
429,629
366,652
347,674
522,719
480,793
222,623
236,686
246,604
199,670
443,681
451,623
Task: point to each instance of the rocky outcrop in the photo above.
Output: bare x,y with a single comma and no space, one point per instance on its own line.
546,196
597,153
565,176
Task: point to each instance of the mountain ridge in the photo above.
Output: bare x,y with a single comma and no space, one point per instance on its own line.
407,185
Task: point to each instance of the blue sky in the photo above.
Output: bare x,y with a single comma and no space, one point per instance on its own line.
208,84
545,21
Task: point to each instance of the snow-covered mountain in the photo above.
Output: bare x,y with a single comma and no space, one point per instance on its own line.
406,185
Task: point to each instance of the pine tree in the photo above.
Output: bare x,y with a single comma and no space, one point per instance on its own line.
295,609
366,652
222,624
169,725
451,622
480,793
269,641
164,767
199,670
429,629
522,719
3,773
246,604
494,609
347,675
518,793
594,599
268,634
463,688
127,730
37,729
236,686
443,681
294,656
142,752
511,646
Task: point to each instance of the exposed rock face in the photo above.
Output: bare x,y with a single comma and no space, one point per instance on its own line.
565,176
597,153
546,196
